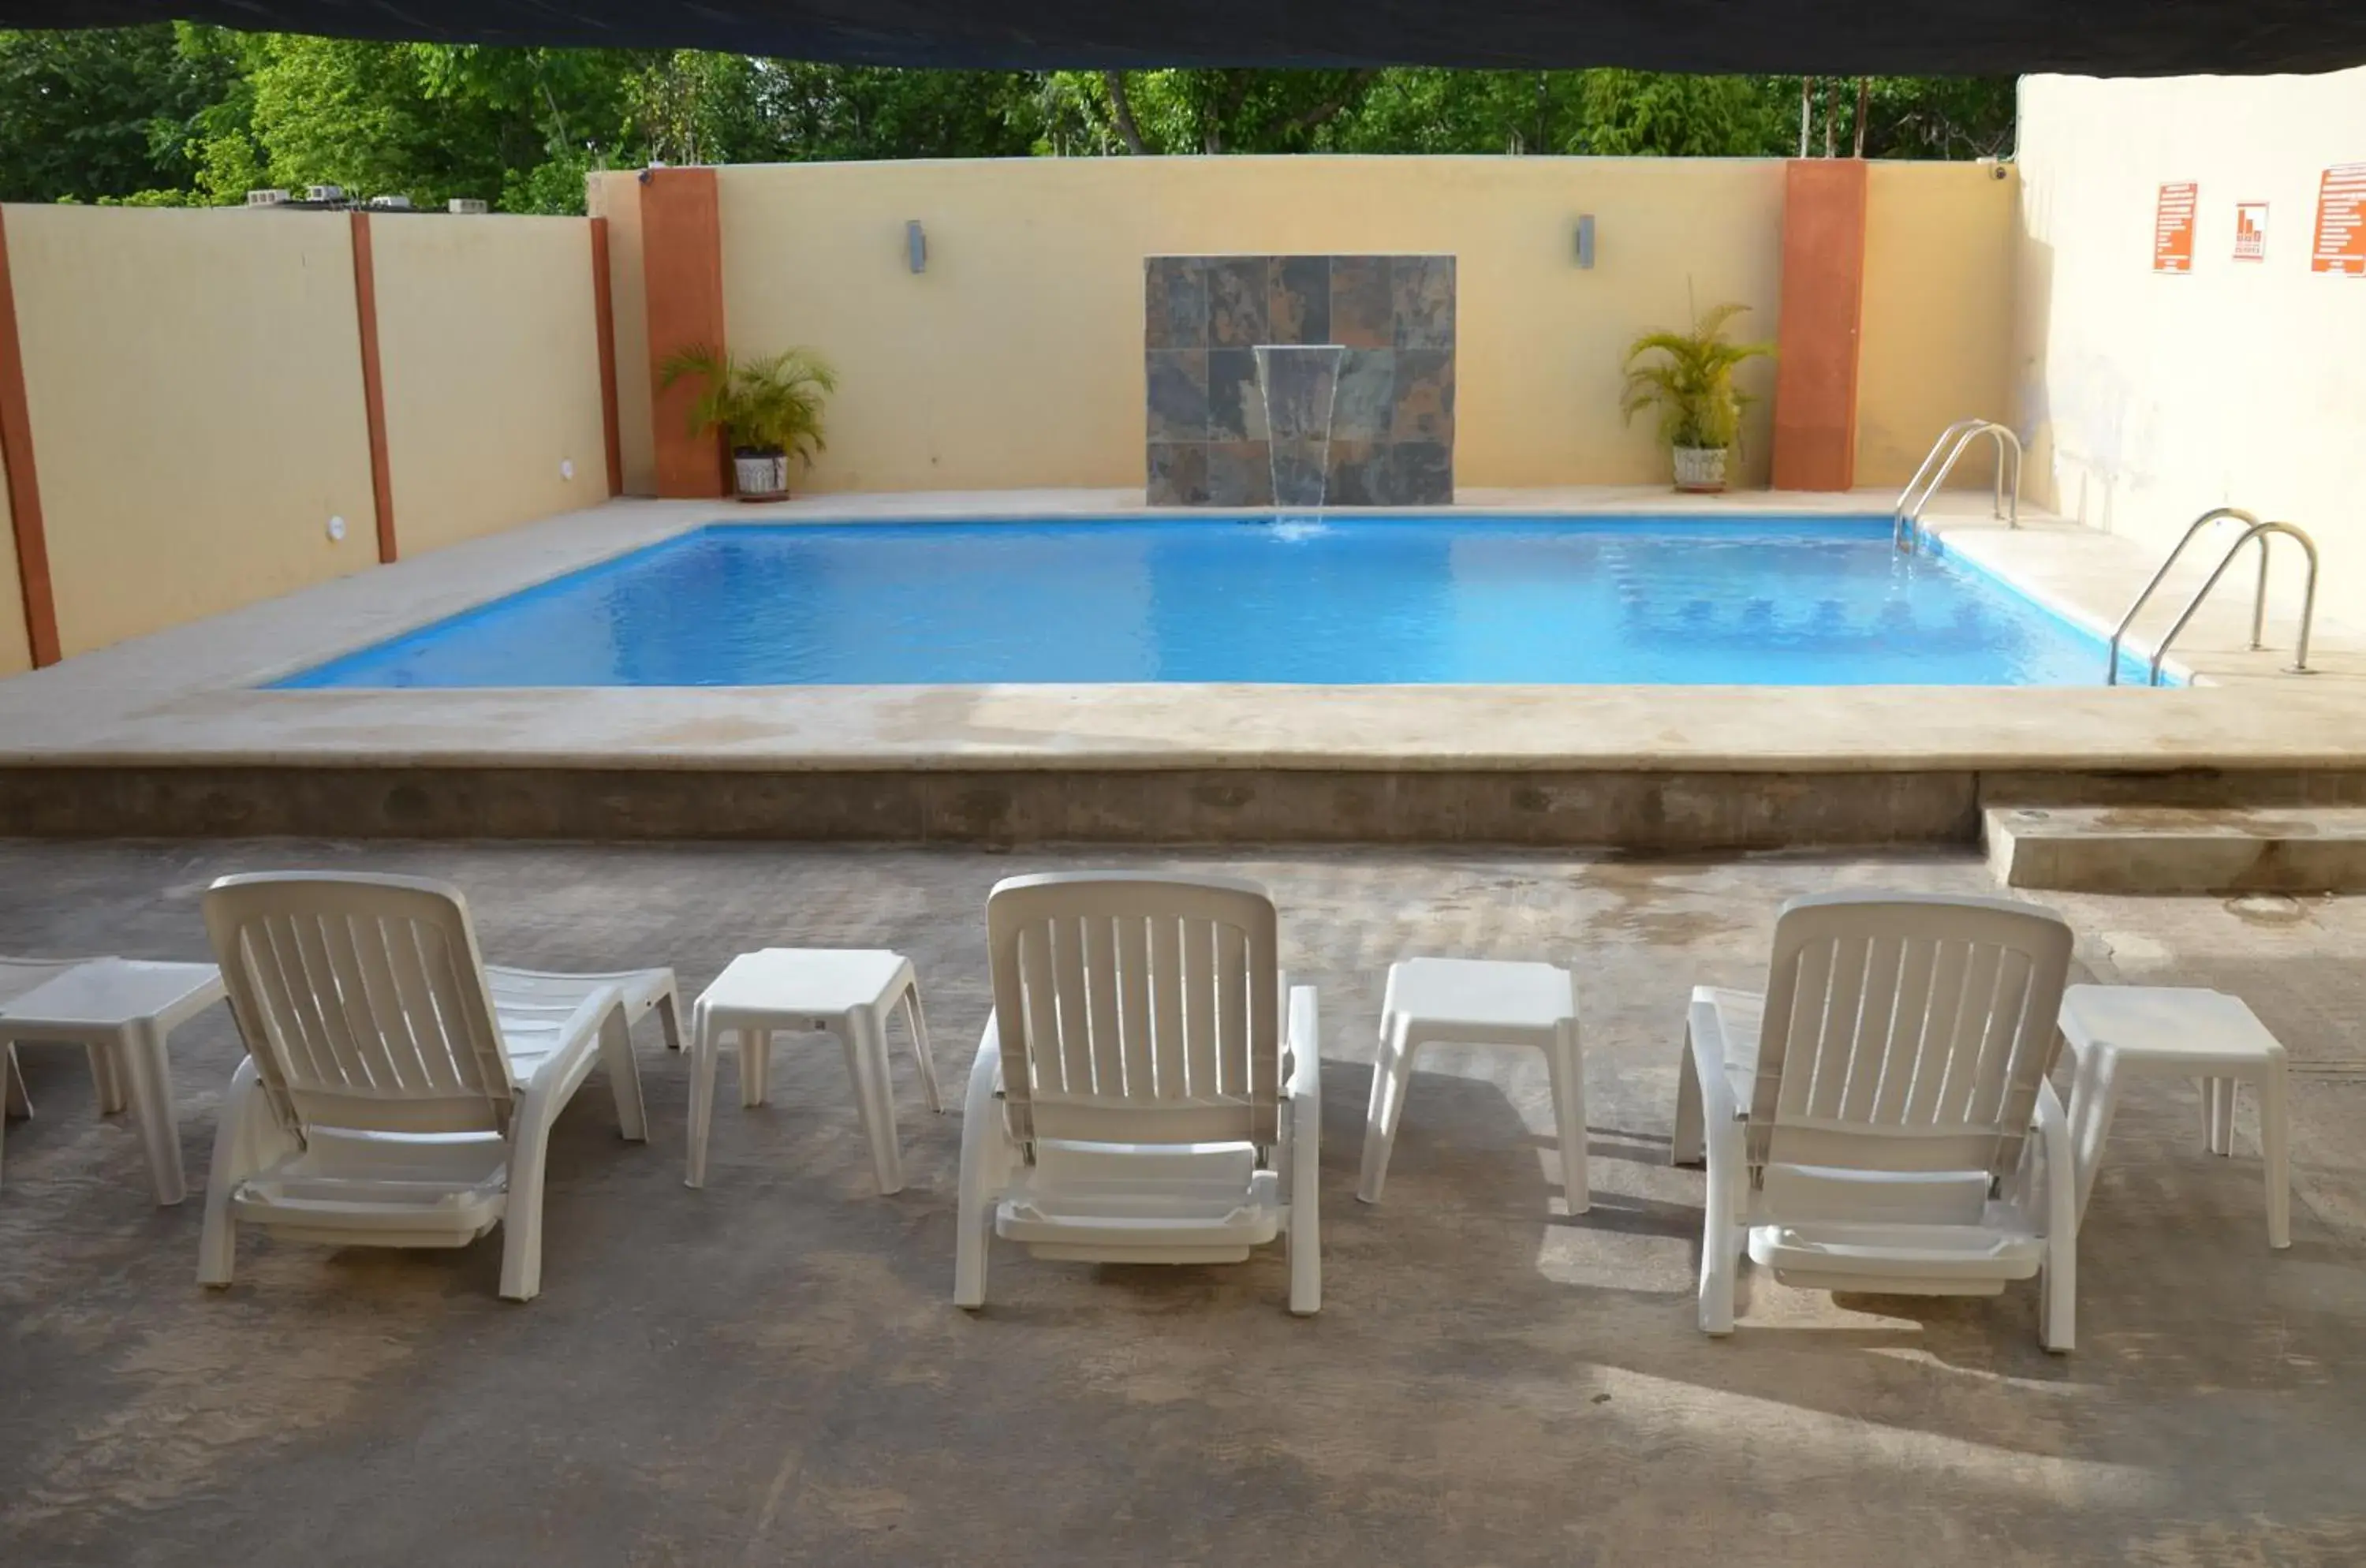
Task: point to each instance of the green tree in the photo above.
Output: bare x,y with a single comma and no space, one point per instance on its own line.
814,112
104,114
189,114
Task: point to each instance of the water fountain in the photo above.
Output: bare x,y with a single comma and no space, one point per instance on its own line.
1299,382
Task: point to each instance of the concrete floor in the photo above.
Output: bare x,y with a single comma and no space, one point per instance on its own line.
770,1371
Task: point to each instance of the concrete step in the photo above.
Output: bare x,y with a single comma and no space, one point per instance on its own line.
2127,849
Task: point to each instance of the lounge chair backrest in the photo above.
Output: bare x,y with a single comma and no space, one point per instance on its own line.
1906,1032
362,1000
1137,1009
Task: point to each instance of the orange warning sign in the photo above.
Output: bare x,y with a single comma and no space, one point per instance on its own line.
2250,230
2341,221
2173,228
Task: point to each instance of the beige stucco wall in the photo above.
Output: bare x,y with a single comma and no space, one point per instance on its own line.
15,647
492,365
2151,397
193,385
1016,358
1936,323
616,195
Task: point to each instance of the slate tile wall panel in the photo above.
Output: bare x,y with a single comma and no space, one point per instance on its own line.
1392,418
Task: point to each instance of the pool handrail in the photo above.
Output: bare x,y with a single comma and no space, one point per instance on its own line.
2254,529
1906,517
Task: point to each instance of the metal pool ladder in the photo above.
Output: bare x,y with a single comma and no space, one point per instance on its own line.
1906,518
2252,529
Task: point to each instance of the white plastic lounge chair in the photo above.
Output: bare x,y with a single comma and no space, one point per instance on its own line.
397,1093
1867,1120
1134,1099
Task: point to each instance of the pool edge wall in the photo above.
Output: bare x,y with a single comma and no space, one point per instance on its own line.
1662,811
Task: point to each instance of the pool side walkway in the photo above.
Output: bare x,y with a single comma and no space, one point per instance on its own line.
184,701
770,1371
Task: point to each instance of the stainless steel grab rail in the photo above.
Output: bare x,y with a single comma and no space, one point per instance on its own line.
1906,517
2259,531
2258,605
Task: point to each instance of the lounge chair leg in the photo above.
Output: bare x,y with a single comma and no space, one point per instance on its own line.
1687,1147
1721,1238
246,1138
984,1168
623,1076
670,1019
1305,1108
522,1219
2057,1277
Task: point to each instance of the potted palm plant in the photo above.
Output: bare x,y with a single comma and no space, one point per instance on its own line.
1691,384
769,409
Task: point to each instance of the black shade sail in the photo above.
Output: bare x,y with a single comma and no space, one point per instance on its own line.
2112,38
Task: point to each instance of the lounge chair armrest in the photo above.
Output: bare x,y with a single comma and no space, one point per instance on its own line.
1707,1038
985,1074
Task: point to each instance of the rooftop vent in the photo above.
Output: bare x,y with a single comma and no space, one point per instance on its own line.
390,203
266,198
469,205
324,193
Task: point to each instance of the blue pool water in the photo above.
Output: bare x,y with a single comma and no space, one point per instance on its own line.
1346,601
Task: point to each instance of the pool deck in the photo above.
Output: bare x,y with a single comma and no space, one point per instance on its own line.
769,1371
166,733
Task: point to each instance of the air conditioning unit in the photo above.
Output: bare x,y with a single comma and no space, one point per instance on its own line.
324,193
390,203
266,198
467,205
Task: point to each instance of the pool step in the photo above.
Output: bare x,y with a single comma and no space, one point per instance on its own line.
2129,849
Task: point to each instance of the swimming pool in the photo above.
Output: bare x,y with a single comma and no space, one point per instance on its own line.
1349,600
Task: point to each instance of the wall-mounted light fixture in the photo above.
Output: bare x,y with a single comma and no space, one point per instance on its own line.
915,246
1585,241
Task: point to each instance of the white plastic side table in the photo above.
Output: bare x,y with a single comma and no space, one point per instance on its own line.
123,1010
1461,1001
2116,1032
846,992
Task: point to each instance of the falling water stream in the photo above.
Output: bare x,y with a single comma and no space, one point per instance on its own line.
1300,384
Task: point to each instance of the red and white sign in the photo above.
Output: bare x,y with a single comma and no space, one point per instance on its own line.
2341,221
2250,230
2173,228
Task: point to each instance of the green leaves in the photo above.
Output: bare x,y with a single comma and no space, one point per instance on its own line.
199,114
770,404
1691,384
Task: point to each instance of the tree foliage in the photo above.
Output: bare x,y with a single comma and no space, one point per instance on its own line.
183,114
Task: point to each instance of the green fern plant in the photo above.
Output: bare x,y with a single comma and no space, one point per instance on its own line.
1691,384
765,405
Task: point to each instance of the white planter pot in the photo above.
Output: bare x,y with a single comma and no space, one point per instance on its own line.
1700,467
761,477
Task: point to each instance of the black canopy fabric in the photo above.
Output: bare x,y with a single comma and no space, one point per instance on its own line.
1963,38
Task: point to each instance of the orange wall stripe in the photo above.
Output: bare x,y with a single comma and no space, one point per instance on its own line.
373,384
24,485
603,325
1823,295
681,261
